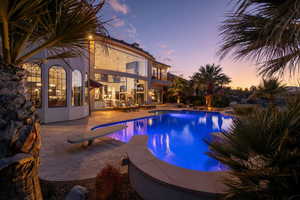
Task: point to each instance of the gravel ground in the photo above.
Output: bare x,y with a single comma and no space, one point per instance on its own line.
57,190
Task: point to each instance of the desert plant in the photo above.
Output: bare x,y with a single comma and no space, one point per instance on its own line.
33,31
262,154
269,89
108,183
244,109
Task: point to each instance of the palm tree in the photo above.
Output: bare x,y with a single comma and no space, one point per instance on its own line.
178,88
210,78
33,31
269,89
266,31
262,154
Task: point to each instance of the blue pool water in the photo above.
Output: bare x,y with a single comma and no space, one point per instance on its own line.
177,137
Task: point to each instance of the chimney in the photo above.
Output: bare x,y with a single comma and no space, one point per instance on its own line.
137,45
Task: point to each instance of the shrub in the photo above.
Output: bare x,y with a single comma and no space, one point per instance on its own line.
244,109
262,153
195,100
108,183
221,101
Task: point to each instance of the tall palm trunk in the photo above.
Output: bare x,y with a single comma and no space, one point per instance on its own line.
19,138
178,99
208,100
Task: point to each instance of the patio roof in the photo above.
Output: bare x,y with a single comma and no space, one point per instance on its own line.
95,84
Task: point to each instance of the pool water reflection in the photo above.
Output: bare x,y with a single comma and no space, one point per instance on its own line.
178,137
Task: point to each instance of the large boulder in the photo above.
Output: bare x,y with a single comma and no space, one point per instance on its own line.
77,193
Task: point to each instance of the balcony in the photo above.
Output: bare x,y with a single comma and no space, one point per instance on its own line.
163,82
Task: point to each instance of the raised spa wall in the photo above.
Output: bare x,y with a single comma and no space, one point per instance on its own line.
154,179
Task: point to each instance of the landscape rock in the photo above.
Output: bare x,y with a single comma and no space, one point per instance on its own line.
77,193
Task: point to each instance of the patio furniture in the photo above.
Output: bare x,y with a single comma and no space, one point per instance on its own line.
124,108
202,108
135,108
148,106
129,108
180,105
90,136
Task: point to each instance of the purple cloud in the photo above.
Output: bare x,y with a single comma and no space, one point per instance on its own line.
131,30
163,46
169,52
117,22
118,6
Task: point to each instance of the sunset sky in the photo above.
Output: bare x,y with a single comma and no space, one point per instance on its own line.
181,33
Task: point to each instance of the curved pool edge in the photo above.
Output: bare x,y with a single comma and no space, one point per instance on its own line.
153,111
118,122
156,179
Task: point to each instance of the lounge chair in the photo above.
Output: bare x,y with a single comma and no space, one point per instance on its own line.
125,108
148,106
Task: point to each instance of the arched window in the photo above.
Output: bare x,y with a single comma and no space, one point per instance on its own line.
34,83
77,88
57,91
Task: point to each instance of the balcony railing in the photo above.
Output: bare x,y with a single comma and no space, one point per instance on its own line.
163,77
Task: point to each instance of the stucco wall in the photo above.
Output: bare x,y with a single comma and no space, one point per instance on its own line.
68,112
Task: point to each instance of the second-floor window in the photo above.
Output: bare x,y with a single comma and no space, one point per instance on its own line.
104,78
154,73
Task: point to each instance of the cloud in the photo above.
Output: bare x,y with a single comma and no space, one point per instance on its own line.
131,30
164,59
165,53
118,22
165,50
169,52
163,46
167,60
119,7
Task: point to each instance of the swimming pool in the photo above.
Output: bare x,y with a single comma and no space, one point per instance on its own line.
177,137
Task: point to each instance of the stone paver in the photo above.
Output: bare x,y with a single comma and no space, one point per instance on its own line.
61,161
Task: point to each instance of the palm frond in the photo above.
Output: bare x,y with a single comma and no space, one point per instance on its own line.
47,25
265,31
270,88
210,75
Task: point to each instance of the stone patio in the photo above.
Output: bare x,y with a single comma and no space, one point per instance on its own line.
61,161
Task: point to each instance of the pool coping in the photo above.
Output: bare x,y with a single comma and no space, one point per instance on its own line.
206,183
153,111
123,121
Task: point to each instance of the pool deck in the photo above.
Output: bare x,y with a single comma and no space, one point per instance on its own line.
61,161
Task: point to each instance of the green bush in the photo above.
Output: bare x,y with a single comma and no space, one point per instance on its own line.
262,153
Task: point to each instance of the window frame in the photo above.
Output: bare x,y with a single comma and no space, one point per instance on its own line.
41,82
66,84
81,90
86,89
